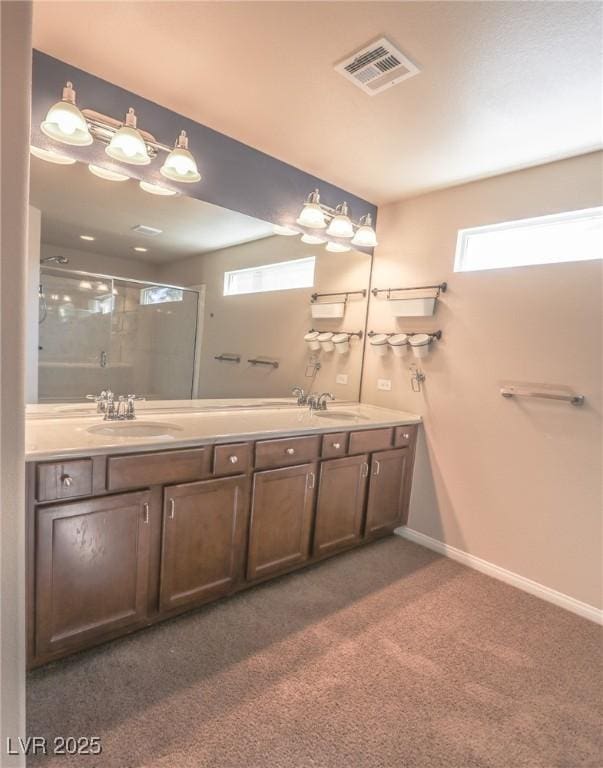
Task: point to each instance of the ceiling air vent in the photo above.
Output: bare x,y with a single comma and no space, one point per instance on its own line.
143,229
377,67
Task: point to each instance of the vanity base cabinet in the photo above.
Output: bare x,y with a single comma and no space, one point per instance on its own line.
340,504
282,507
91,566
203,541
387,496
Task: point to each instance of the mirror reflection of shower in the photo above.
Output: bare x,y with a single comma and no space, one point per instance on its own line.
43,308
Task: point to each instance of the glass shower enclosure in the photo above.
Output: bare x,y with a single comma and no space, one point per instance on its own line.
98,332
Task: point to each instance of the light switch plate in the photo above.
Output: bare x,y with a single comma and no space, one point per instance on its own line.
341,378
385,384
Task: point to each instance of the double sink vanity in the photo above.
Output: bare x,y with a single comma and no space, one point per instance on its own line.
131,522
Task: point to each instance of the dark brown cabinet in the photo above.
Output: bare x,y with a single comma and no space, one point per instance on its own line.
340,505
203,541
281,519
91,560
387,498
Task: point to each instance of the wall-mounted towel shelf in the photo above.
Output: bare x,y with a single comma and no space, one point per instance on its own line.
346,294
440,287
434,335
255,361
359,334
567,397
228,358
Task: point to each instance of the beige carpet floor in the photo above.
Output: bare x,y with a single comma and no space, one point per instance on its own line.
386,657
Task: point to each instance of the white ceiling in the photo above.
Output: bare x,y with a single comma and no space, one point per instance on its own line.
503,85
74,202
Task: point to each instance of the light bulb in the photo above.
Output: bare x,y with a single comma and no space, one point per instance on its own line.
313,240
340,225
312,215
180,164
127,144
65,123
365,235
337,247
156,189
105,173
50,156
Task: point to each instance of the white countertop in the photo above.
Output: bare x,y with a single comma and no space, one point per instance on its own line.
62,431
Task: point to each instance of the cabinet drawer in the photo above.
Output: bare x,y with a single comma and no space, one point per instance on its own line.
63,479
370,440
232,459
281,453
144,469
334,444
404,436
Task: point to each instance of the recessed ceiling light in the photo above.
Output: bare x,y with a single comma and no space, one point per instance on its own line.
50,156
140,249
156,189
105,173
87,237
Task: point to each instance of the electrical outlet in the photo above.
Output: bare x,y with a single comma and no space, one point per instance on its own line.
341,378
385,384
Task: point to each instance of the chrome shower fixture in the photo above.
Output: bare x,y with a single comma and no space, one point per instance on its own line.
56,259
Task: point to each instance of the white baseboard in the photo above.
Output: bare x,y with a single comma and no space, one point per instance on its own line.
502,574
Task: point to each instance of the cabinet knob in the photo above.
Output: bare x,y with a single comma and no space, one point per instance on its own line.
337,446
290,451
67,480
233,459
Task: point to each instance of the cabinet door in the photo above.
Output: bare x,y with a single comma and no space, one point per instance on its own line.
386,499
341,494
281,519
91,570
203,543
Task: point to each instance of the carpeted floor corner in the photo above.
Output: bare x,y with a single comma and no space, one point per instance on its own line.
386,657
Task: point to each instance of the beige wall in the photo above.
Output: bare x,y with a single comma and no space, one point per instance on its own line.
515,482
273,324
33,302
15,68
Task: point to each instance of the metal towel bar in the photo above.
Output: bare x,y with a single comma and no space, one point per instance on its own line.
256,361
568,398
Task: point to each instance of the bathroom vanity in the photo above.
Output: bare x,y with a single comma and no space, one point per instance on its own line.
125,531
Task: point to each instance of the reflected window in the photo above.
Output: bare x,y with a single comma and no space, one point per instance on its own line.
160,294
282,276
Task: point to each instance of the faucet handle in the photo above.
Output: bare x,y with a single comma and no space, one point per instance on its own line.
322,400
302,397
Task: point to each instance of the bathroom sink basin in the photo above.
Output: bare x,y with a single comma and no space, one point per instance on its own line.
135,429
340,415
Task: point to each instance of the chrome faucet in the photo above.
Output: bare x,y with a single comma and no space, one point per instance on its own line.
102,400
302,397
321,402
115,411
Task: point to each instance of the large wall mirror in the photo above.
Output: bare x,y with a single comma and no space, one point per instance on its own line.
172,298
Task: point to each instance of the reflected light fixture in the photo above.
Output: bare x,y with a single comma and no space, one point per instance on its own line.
87,237
127,144
341,224
365,234
65,123
279,229
180,165
156,189
312,215
50,156
85,285
105,173
313,240
338,247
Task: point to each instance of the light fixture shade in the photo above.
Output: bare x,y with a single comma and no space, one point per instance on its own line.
313,240
50,156
338,247
180,165
65,123
312,215
127,144
341,225
156,189
105,173
279,229
365,234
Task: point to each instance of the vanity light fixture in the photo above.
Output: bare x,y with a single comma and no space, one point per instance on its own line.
102,287
85,285
65,123
87,237
337,247
312,214
156,189
105,173
180,165
127,143
279,229
50,156
313,239
315,215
